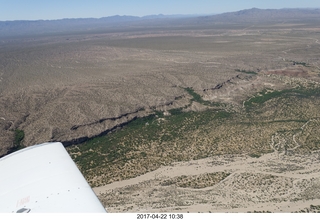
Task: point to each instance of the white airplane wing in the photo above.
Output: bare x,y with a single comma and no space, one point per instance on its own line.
44,179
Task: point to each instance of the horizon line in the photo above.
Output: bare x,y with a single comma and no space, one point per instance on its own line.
160,14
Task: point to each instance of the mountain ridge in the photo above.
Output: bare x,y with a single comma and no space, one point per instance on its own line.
253,15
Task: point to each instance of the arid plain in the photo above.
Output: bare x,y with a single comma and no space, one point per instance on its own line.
203,115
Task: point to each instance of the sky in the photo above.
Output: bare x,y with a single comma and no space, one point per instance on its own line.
59,9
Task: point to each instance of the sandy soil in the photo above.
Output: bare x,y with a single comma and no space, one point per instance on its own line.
273,182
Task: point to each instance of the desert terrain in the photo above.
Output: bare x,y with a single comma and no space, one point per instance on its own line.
271,183
209,114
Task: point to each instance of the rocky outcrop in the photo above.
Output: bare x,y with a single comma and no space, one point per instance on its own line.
115,123
232,80
80,140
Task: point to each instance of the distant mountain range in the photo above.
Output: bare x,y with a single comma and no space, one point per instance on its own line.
20,27
11,28
266,15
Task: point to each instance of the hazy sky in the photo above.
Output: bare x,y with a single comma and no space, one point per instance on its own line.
58,9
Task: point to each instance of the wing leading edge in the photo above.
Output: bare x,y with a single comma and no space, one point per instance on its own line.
44,179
